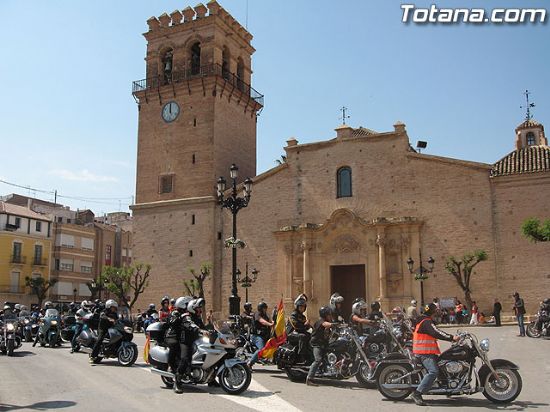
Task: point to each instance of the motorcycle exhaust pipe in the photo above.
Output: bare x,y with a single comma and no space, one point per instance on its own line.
166,374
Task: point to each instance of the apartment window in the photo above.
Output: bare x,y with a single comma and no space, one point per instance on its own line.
108,254
66,266
17,247
37,254
86,269
192,219
38,227
166,184
87,243
18,222
67,240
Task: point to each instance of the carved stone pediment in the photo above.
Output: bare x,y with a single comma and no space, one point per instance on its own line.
346,244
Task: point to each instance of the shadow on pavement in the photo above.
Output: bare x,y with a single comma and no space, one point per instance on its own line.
22,353
38,406
461,402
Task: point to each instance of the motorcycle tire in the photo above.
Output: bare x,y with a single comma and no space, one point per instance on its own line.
386,375
503,394
28,337
127,356
168,382
295,375
235,388
363,378
97,360
531,330
42,344
10,346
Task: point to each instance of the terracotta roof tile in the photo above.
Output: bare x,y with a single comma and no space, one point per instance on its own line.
530,159
21,211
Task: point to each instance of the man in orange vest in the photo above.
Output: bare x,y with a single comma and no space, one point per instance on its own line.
425,347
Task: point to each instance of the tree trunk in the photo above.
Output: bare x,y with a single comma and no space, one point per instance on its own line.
468,298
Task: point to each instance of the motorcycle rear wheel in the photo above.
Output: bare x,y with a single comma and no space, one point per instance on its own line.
531,330
387,375
295,375
239,382
506,389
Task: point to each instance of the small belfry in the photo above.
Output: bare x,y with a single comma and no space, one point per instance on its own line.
529,132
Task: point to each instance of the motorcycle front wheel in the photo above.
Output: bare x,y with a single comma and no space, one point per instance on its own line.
236,379
391,374
10,347
532,331
127,355
364,378
504,389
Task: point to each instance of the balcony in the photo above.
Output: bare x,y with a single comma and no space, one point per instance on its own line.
10,227
18,259
37,261
155,83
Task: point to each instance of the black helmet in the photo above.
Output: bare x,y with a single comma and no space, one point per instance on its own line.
165,299
262,306
430,309
325,311
248,306
151,306
173,302
300,302
375,306
546,301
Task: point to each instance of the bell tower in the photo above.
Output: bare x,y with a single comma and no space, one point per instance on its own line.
197,116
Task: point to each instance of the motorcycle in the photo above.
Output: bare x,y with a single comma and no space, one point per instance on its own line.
543,316
498,379
151,319
117,344
213,356
48,332
29,328
8,328
68,329
345,357
88,335
245,347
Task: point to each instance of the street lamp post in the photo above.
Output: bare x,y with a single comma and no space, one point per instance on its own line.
422,272
234,203
247,281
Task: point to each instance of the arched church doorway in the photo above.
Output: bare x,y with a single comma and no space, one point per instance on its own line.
348,281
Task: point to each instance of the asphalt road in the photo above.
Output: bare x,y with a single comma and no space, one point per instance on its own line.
53,379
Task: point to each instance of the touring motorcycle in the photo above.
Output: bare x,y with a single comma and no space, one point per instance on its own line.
48,332
117,343
498,379
8,338
213,356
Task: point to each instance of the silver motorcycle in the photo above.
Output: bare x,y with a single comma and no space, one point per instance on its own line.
214,355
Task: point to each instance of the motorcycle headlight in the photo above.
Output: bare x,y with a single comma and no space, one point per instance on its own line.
127,329
9,326
484,345
53,322
26,321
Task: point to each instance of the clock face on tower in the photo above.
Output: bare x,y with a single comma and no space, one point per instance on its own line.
170,112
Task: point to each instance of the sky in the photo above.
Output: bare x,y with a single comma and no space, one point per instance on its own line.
68,121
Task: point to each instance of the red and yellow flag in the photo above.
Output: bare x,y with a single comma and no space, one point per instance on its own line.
146,350
272,344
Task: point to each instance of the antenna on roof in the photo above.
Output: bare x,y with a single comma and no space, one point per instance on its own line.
246,21
528,106
344,109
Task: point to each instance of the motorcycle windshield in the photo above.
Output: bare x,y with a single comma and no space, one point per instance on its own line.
51,313
10,317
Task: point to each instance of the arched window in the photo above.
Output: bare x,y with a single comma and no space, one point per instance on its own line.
240,74
530,139
196,58
225,63
167,65
343,178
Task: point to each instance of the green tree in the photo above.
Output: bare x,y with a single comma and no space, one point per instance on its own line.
95,287
461,270
195,286
39,287
126,283
536,231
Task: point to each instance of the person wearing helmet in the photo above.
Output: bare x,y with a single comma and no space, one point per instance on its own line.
172,305
260,331
79,316
175,337
425,347
375,312
412,312
358,318
298,325
152,309
107,319
247,316
164,311
24,311
336,302
319,341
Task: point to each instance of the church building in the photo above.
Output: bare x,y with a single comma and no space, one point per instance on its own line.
339,215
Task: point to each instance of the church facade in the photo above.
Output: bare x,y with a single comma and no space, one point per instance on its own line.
339,215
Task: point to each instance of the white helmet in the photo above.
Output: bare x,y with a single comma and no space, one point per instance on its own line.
110,303
181,302
336,298
413,302
357,307
194,304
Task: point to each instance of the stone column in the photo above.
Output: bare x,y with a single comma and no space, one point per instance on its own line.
306,247
289,256
381,241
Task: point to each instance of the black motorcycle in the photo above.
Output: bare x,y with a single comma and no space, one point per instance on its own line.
543,318
499,380
345,357
117,344
29,328
8,341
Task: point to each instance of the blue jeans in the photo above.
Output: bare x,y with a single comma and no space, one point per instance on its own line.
259,342
318,353
521,324
77,329
430,363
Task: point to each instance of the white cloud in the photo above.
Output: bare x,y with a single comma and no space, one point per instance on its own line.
83,175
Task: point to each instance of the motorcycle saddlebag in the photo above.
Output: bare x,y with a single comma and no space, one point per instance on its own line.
285,356
158,356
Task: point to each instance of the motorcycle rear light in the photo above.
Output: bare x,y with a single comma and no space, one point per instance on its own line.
222,341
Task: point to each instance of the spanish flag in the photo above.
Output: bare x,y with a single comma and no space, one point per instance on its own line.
272,344
146,350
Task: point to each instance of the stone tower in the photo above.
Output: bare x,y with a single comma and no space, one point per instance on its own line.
197,116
